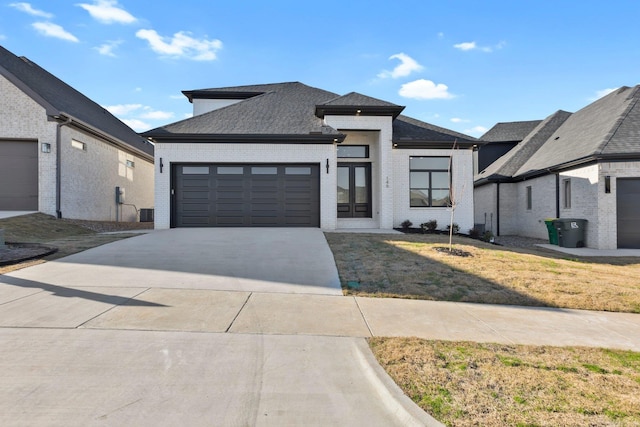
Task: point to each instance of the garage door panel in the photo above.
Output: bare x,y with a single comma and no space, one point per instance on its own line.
628,212
19,175
247,195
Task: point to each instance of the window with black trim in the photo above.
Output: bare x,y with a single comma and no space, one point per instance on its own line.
429,182
566,190
353,151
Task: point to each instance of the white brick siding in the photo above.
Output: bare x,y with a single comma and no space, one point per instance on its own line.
462,186
484,199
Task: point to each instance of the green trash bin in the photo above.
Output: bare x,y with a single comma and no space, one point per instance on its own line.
553,232
570,232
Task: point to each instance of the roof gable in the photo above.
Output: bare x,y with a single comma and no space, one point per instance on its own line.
59,99
608,127
509,164
510,131
412,133
355,103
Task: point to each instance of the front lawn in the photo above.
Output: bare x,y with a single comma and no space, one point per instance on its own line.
409,266
469,384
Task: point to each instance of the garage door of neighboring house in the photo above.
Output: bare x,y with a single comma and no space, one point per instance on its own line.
18,175
245,195
628,207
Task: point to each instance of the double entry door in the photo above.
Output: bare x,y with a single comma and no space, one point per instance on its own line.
354,190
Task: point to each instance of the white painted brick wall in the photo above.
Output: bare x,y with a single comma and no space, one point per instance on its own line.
89,179
462,185
484,199
245,153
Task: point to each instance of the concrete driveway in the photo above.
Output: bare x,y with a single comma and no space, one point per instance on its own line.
224,327
237,259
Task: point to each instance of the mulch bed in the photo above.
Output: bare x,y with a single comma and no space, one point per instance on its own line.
453,251
14,253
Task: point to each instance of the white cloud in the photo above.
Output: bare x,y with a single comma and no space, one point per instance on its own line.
407,66
441,35
49,29
188,115
477,130
123,109
603,92
136,124
156,115
108,12
181,97
425,89
181,45
466,46
459,120
27,8
107,48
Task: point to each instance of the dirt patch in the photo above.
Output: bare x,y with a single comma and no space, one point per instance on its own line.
18,252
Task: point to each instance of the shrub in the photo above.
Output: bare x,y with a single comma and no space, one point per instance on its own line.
456,228
474,233
487,236
406,224
430,225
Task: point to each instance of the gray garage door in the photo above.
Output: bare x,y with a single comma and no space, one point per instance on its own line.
254,195
18,175
628,201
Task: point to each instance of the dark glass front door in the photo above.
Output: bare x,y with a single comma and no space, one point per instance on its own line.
354,190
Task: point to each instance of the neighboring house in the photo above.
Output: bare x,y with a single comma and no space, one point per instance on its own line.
64,155
292,155
583,165
500,139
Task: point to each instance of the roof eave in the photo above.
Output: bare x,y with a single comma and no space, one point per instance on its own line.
213,94
425,144
358,110
246,138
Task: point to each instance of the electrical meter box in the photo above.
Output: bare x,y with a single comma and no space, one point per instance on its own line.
119,195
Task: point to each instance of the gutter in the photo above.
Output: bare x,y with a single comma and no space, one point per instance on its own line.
59,164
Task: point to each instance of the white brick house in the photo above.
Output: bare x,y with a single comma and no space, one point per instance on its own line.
584,165
64,155
292,155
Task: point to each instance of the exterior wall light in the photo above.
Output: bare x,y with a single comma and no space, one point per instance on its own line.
45,147
607,184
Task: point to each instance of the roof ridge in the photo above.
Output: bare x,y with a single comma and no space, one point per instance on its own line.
622,117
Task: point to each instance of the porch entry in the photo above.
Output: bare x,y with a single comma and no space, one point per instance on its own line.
354,190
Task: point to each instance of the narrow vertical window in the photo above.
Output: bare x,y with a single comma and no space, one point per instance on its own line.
529,198
566,186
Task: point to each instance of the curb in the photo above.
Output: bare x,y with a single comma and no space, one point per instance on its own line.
396,402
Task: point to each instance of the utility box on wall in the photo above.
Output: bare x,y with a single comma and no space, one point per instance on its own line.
119,195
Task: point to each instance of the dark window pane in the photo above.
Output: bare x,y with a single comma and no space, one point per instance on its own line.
230,170
440,163
353,151
362,193
439,179
419,179
264,170
343,185
195,170
420,198
297,171
439,198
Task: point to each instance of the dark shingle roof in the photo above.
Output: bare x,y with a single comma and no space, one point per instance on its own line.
409,131
609,127
508,165
274,111
281,109
57,97
510,131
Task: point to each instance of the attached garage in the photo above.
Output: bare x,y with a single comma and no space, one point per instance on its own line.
628,208
245,195
18,175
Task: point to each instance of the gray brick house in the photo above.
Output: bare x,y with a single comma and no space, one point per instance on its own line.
62,154
583,165
288,154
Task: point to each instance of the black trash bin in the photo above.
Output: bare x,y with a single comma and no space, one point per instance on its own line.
571,232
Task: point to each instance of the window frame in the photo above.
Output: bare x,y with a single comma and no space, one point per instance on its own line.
366,151
431,188
566,193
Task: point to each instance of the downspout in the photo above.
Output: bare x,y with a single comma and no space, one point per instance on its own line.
497,208
557,195
59,164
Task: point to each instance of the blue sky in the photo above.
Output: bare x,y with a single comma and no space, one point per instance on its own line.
463,65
